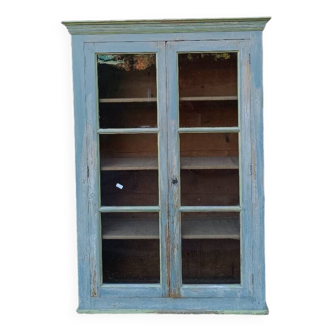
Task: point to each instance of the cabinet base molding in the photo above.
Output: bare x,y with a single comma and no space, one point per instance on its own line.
175,313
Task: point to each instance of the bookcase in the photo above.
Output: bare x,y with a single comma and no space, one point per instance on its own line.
169,165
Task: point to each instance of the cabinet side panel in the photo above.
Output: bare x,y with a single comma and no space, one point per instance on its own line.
258,277
81,171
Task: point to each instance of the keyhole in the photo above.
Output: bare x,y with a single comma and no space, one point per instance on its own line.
175,181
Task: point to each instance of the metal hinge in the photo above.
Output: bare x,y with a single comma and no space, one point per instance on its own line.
250,169
249,59
252,280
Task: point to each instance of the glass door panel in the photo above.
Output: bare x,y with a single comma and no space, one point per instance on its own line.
209,167
208,89
127,87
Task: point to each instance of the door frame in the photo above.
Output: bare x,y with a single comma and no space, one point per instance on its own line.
92,269
242,47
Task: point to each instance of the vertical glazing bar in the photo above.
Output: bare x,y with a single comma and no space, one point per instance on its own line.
173,170
92,169
162,155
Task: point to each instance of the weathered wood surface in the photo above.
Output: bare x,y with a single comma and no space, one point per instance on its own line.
166,26
151,163
148,229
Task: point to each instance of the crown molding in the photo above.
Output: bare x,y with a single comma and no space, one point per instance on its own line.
166,26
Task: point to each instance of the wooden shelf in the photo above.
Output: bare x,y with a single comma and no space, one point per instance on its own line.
216,98
116,229
228,228
127,100
149,100
129,164
151,163
209,163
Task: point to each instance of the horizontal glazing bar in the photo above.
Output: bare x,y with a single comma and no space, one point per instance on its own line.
129,131
210,130
210,209
127,100
129,209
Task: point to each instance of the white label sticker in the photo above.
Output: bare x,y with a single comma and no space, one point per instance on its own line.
118,185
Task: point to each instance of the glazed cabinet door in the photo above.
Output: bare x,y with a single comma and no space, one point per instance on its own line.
127,138
208,95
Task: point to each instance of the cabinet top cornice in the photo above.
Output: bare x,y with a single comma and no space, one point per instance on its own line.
166,26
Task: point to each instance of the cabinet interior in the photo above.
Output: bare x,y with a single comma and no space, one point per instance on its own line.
209,167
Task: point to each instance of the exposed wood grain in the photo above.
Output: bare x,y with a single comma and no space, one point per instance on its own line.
245,175
151,163
91,141
201,77
175,313
130,229
211,261
162,162
148,228
257,152
126,164
209,145
131,291
209,162
83,250
228,228
223,35
210,130
127,100
209,113
128,146
166,26
210,187
210,209
207,98
122,209
173,173
128,131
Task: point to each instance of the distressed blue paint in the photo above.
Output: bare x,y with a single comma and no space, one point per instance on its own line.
81,172
172,312
131,291
177,305
245,166
209,291
162,169
257,151
173,171
245,298
129,131
167,37
129,209
91,140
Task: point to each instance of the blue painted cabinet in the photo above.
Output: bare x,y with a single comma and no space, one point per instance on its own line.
169,165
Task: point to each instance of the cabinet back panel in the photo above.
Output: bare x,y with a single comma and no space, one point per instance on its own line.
119,83
140,188
208,113
128,115
211,261
209,187
206,145
128,146
130,261
204,74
